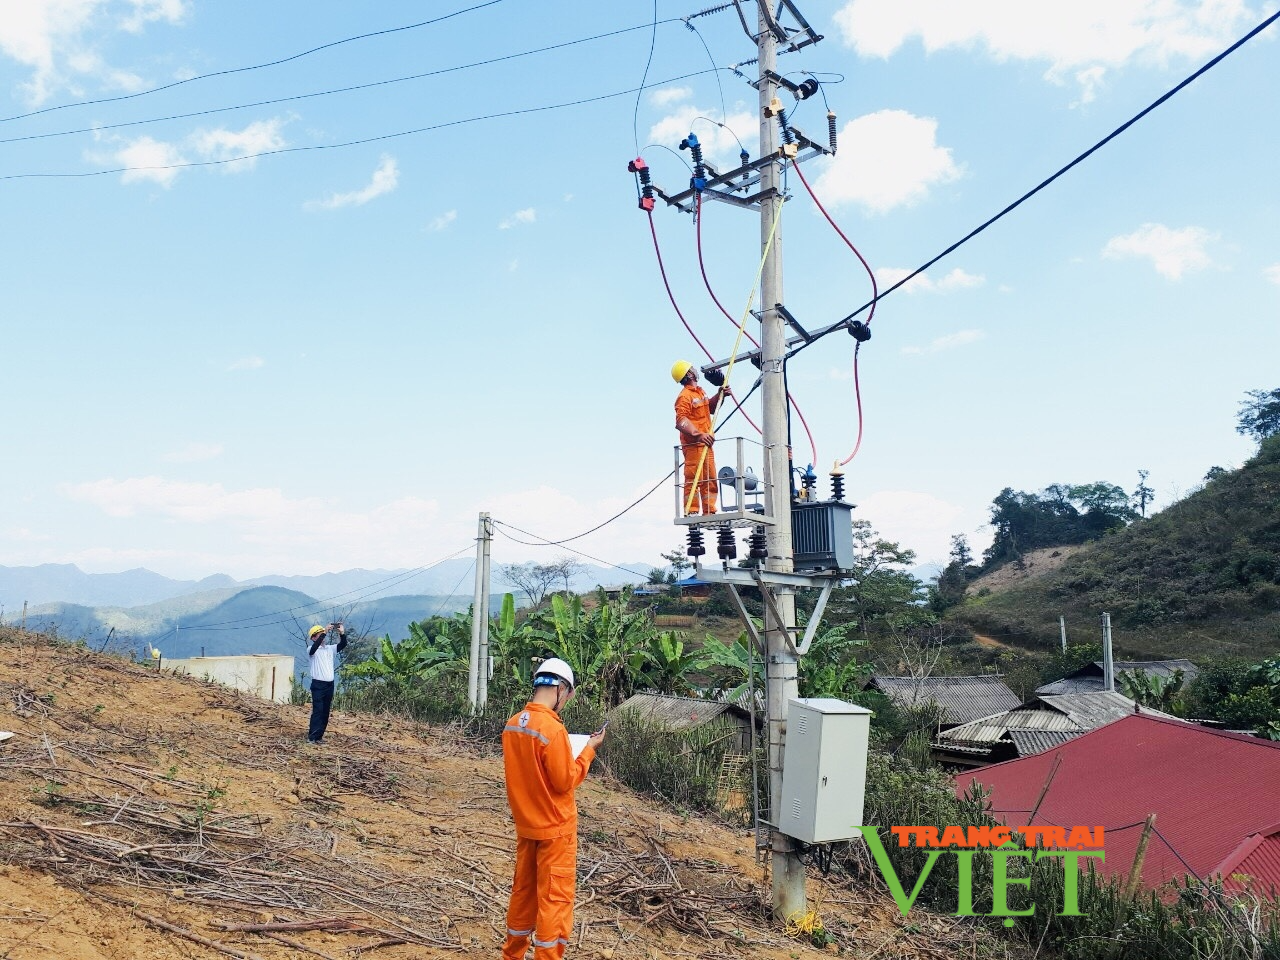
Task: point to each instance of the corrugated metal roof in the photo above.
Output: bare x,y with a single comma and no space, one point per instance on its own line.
1250,873
962,699
680,713
1090,710
992,728
1210,791
1089,678
1031,742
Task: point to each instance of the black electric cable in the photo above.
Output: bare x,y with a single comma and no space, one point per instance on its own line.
724,114
258,66
348,143
620,513
542,542
334,90
840,325
635,116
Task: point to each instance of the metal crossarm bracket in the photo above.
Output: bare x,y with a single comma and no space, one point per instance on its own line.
816,618
752,632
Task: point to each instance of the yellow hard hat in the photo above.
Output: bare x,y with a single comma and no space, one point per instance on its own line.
315,631
680,369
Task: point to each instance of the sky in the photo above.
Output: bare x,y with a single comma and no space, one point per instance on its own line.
232,344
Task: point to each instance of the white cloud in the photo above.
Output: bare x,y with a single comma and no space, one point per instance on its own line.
151,11
194,452
1082,39
246,363
957,279
50,38
666,96
527,215
919,521
146,159
891,159
949,342
385,179
228,145
442,222
1272,273
1171,252
720,143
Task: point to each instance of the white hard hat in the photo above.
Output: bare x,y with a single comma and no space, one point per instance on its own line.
554,667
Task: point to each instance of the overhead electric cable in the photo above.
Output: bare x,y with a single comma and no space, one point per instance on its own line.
635,116
347,143
543,542
334,90
620,513
839,325
364,590
257,66
724,114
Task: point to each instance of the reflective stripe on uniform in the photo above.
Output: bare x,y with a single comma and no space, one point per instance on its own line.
518,933
549,943
527,731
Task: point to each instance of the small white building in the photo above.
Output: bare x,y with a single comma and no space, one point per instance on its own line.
265,675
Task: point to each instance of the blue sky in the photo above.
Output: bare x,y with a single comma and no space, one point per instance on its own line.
331,358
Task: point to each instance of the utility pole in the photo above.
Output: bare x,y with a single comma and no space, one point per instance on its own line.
478,663
1062,628
788,888
1108,664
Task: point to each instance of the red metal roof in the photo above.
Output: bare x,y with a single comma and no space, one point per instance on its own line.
1211,792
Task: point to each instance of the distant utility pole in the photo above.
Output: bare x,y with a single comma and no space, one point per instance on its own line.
1062,628
478,664
1108,664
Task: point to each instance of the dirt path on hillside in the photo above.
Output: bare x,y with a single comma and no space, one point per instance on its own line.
143,814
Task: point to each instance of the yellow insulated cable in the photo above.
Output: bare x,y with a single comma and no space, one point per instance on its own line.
742,325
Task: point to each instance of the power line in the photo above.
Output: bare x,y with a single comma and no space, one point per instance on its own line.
543,542
330,92
814,337
368,589
258,66
349,143
635,116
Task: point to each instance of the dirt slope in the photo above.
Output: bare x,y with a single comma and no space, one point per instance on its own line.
140,814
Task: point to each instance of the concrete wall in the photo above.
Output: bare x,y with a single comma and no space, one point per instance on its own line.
255,673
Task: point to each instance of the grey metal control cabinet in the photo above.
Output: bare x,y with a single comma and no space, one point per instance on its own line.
824,772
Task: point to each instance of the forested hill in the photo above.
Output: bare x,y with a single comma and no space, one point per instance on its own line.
1200,578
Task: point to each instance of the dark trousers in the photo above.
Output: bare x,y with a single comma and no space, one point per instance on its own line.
321,704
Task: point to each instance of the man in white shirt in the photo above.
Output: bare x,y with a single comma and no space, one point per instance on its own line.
322,655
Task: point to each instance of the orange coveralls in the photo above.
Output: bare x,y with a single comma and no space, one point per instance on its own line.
692,405
541,774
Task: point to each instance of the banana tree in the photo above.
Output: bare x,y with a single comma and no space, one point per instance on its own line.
668,665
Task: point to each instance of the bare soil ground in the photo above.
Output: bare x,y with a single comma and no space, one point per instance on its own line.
148,816
1035,564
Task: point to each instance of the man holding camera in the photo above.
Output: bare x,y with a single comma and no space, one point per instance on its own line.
322,655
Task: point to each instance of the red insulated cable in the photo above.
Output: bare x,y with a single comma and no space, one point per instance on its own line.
875,292
697,219
653,231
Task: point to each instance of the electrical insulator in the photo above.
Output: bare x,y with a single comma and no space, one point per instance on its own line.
641,169
809,481
837,483
806,89
699,180
758,544
789,148
744,158
831,130
726,545
695,549
860,331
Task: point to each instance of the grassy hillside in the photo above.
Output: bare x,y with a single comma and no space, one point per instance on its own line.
1201,577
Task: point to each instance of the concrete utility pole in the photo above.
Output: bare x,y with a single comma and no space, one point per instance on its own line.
788,893
1108,664
1062,628
478,662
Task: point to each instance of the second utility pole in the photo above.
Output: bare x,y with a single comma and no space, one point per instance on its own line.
788,894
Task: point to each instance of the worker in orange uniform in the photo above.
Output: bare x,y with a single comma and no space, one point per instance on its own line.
542,774
693,423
